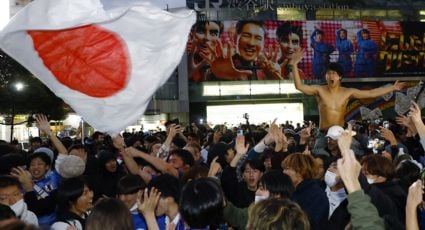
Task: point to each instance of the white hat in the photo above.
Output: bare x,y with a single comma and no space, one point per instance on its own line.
335,132
46,151
71,166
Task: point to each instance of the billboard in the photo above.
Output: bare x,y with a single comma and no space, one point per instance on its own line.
261,50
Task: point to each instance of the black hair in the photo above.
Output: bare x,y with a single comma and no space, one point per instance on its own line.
36,139
407,172
67,142
6,181
96,134
6,212
254,163
68,192
285,29
340,30
327,160
151,139
201,203
179,142
130,184
109,214
105,156
319,32
241,24
9,161
277,183
6,148
334,66
200,25
43,156
365,31
196,172
219,149
129,141
168,185
185,155
78,146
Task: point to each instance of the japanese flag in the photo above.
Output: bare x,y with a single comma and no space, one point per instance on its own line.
104,58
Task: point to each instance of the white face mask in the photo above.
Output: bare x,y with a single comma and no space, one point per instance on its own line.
18,207
330,178
370,181
259,198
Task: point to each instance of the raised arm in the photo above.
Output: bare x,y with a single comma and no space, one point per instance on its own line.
415,115
299,85
160,164
372,93
44,125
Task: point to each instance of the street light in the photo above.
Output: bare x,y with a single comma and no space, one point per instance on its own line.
18,86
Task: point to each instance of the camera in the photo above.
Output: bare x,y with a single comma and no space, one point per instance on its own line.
386,124
240,132
175,121
376,144
245,115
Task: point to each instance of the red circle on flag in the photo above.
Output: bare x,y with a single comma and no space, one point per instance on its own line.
88,59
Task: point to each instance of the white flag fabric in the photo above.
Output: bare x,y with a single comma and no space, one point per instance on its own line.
104,60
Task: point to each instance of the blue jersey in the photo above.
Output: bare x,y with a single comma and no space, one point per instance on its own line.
43,188
140,222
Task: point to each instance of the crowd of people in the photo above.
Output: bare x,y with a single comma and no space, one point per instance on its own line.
268,176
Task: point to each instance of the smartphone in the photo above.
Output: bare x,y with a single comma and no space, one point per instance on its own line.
240,132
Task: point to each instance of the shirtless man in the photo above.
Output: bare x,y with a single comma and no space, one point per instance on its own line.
332,98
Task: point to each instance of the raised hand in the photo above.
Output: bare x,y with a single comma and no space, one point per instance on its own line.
349,170
43,123
194,65
222,64
415,112
215,167
414,198
399,85
24,176
269,138
240,147
272,53
296,57
268,62
174,129
281,141
150,201
404,121
344,141
388,135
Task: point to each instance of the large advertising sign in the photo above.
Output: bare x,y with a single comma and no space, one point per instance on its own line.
262,50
